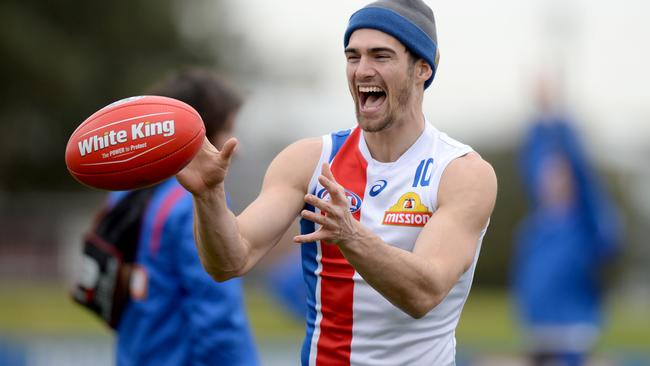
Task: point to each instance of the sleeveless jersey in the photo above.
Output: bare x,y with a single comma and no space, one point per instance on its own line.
349,322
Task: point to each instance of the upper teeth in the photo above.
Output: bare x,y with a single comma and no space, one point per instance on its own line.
370,89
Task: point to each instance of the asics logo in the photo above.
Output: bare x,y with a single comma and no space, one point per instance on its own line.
378,187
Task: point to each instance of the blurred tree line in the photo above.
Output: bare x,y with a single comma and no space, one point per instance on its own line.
62,60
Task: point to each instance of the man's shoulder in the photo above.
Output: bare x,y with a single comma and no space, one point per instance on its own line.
300,153
471,167
471,176
305,145
446,144
295,164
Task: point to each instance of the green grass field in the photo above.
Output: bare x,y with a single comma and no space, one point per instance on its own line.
486,325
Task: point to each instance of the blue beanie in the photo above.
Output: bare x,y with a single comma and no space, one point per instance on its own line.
409,21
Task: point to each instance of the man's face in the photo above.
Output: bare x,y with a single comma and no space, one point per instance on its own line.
380,77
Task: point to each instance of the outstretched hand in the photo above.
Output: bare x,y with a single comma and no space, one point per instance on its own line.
336,222
209,167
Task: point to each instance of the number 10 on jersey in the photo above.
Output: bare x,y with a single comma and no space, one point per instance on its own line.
423,173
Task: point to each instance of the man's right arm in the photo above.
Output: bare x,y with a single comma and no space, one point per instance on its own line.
229,246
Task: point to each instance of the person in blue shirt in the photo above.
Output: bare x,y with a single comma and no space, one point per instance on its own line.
178,315
571,231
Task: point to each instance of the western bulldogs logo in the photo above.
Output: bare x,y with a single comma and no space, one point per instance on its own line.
353,199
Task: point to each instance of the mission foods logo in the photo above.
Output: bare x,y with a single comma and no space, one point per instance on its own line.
408,211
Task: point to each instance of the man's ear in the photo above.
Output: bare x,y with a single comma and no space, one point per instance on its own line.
423,70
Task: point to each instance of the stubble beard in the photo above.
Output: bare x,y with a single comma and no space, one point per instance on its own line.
404,95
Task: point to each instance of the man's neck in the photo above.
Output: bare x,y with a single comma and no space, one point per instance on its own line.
388,145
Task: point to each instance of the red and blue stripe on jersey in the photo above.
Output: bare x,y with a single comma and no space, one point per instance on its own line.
336,288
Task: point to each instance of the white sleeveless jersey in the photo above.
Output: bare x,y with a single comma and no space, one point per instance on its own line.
348,322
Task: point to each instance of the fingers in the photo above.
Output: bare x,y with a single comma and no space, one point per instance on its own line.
208,168
327,180
309,238
319,203
326,171
228,148
315,217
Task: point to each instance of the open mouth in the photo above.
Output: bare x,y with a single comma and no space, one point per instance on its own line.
371,98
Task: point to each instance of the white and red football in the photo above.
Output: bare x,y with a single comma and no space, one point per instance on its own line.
134,143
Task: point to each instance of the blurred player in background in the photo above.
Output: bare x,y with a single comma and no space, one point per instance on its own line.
178,315
394,211
570,233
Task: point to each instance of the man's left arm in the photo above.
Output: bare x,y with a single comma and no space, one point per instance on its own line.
414,281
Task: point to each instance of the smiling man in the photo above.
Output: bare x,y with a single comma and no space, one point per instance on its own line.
393,210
